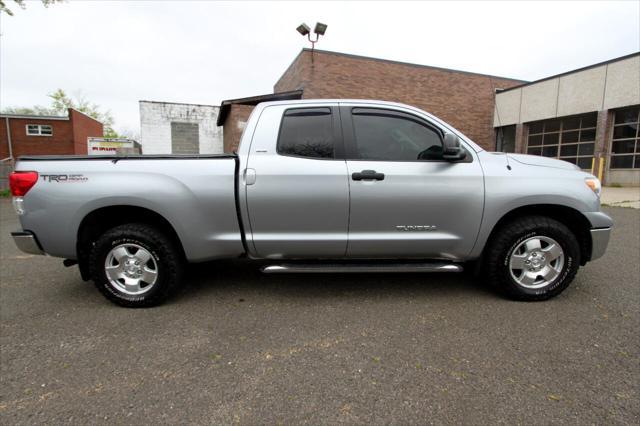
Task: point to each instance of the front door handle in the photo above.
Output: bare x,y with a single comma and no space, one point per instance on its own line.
367,175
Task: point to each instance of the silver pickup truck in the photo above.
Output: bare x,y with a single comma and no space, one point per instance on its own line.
317,186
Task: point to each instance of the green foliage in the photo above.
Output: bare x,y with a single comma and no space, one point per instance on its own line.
109,132
36,110
61,102
23,5
5,193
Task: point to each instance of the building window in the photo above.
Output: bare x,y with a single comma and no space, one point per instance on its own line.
625,143
570,139
39,130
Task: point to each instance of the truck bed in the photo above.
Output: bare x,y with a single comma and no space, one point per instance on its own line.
198,201
124,157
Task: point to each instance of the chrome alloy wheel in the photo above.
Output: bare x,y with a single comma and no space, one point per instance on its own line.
536,262
131,269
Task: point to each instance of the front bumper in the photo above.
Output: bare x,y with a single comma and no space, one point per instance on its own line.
599,242
27,242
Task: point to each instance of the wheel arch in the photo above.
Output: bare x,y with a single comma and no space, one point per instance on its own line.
577,223
98,221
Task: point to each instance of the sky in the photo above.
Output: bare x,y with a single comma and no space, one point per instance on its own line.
116,53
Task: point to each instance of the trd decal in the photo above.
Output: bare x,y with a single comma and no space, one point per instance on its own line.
64,178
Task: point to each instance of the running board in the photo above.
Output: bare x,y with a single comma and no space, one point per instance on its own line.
300,268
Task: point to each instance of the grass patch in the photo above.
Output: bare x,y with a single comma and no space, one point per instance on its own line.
617,206
5,193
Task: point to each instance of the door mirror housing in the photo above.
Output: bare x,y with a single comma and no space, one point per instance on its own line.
452,150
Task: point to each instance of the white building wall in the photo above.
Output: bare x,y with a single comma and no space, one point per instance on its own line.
507,108
155,126
612,85
539,101
582,92
623,83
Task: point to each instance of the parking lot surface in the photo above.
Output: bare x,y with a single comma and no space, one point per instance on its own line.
236,346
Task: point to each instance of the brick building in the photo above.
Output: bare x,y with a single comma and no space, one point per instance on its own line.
46,135
463,99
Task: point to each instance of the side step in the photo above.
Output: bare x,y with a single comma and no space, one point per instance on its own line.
341,268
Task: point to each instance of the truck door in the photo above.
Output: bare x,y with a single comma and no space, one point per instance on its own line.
406,201
296,183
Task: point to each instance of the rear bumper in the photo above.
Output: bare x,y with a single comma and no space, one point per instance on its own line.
599,242
27,242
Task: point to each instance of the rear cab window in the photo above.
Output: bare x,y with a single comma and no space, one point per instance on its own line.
308,133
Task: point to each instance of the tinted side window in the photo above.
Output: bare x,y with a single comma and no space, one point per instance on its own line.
307,132
389,136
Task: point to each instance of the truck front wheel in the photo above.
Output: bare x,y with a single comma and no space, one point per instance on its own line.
135,265
532,258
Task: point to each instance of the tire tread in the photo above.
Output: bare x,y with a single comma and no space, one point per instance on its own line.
171,264
503,240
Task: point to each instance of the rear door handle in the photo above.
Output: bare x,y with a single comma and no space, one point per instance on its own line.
367,175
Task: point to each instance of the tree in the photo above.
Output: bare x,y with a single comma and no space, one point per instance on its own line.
61,102
36,110
22,4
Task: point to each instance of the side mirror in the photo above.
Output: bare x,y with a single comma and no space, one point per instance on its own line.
452,151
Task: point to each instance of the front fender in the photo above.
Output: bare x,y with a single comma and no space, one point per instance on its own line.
521,186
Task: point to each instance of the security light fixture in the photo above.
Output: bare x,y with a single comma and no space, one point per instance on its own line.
320,28
303,29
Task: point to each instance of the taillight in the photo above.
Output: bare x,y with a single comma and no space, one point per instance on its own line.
21,182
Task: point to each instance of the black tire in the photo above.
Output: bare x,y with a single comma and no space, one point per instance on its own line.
165,255
507,239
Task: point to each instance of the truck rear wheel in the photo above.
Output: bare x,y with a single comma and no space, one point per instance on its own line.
135,265
532,258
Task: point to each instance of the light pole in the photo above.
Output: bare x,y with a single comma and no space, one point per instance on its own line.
319,30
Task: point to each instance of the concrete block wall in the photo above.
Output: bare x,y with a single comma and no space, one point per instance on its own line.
185,138
155,126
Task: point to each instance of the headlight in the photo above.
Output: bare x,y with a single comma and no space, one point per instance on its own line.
594,184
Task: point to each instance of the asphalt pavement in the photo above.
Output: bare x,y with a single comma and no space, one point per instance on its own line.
236,346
